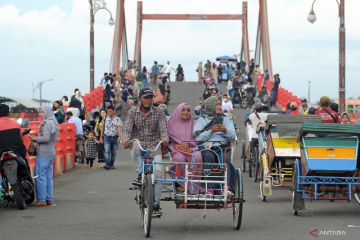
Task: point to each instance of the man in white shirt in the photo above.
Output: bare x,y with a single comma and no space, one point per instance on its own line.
167,69
256,118
79,141
226,105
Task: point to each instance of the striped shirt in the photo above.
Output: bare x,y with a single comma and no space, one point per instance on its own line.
149,129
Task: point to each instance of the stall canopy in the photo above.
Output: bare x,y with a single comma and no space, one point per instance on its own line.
226,59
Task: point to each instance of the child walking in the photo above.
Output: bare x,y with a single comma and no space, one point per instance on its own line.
90,149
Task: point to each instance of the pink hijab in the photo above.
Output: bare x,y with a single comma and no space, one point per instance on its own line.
180,130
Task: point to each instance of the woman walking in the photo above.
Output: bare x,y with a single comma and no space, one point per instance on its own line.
45,141
99,132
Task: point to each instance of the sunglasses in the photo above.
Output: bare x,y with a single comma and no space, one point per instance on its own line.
148,97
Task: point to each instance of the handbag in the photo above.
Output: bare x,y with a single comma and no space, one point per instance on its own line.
32,149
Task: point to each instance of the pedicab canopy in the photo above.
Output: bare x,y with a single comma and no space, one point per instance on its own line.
330,129
289,126
329,148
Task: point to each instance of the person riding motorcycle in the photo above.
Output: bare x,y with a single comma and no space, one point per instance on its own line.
263,97
179,73
10,133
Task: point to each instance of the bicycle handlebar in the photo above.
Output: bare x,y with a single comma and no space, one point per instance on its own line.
142,149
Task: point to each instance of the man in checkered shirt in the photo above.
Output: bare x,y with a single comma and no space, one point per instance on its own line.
147,124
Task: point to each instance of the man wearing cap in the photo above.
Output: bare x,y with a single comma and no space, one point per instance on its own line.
10,133
275,88
324,111
147,124
293,109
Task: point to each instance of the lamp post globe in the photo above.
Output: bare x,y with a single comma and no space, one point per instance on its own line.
111,21
311,17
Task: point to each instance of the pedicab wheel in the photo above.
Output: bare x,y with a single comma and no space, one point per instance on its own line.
19,199
243,156
256,165
263,198
357,197
238,201
251,168
298,202
255,169
147,204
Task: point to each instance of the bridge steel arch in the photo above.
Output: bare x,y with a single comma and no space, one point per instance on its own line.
119,54
262,48
245,53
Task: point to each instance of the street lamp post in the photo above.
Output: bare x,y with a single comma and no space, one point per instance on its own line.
309,88
95,5
312,18
39,85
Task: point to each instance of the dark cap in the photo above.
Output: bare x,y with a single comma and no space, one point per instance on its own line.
146,92
4,110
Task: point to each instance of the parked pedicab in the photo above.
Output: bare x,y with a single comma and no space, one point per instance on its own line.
278,148
215,174
329,164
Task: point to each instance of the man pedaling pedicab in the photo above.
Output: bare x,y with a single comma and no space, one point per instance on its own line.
256,118
216,131
147,124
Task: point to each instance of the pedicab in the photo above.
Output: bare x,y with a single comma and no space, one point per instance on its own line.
221,198
329,165
278,148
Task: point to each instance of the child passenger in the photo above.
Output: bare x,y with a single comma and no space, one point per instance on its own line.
90,149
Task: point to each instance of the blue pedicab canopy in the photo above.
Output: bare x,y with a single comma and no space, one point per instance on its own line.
226,59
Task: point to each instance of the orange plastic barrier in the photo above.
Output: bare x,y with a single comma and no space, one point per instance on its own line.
93,100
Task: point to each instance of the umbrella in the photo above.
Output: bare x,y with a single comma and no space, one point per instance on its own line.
226,59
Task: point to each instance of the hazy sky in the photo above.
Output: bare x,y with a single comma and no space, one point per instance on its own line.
42,39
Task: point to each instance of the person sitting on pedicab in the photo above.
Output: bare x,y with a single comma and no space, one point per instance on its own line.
215,131
182,143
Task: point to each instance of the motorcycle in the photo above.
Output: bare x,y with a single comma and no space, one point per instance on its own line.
17,183
244,96
265,102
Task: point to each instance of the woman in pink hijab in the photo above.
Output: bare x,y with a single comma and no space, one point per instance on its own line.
182,144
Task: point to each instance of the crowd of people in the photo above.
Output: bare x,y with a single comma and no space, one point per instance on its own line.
238,78
132,110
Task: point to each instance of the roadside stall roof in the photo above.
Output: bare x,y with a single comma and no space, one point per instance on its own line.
27,103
